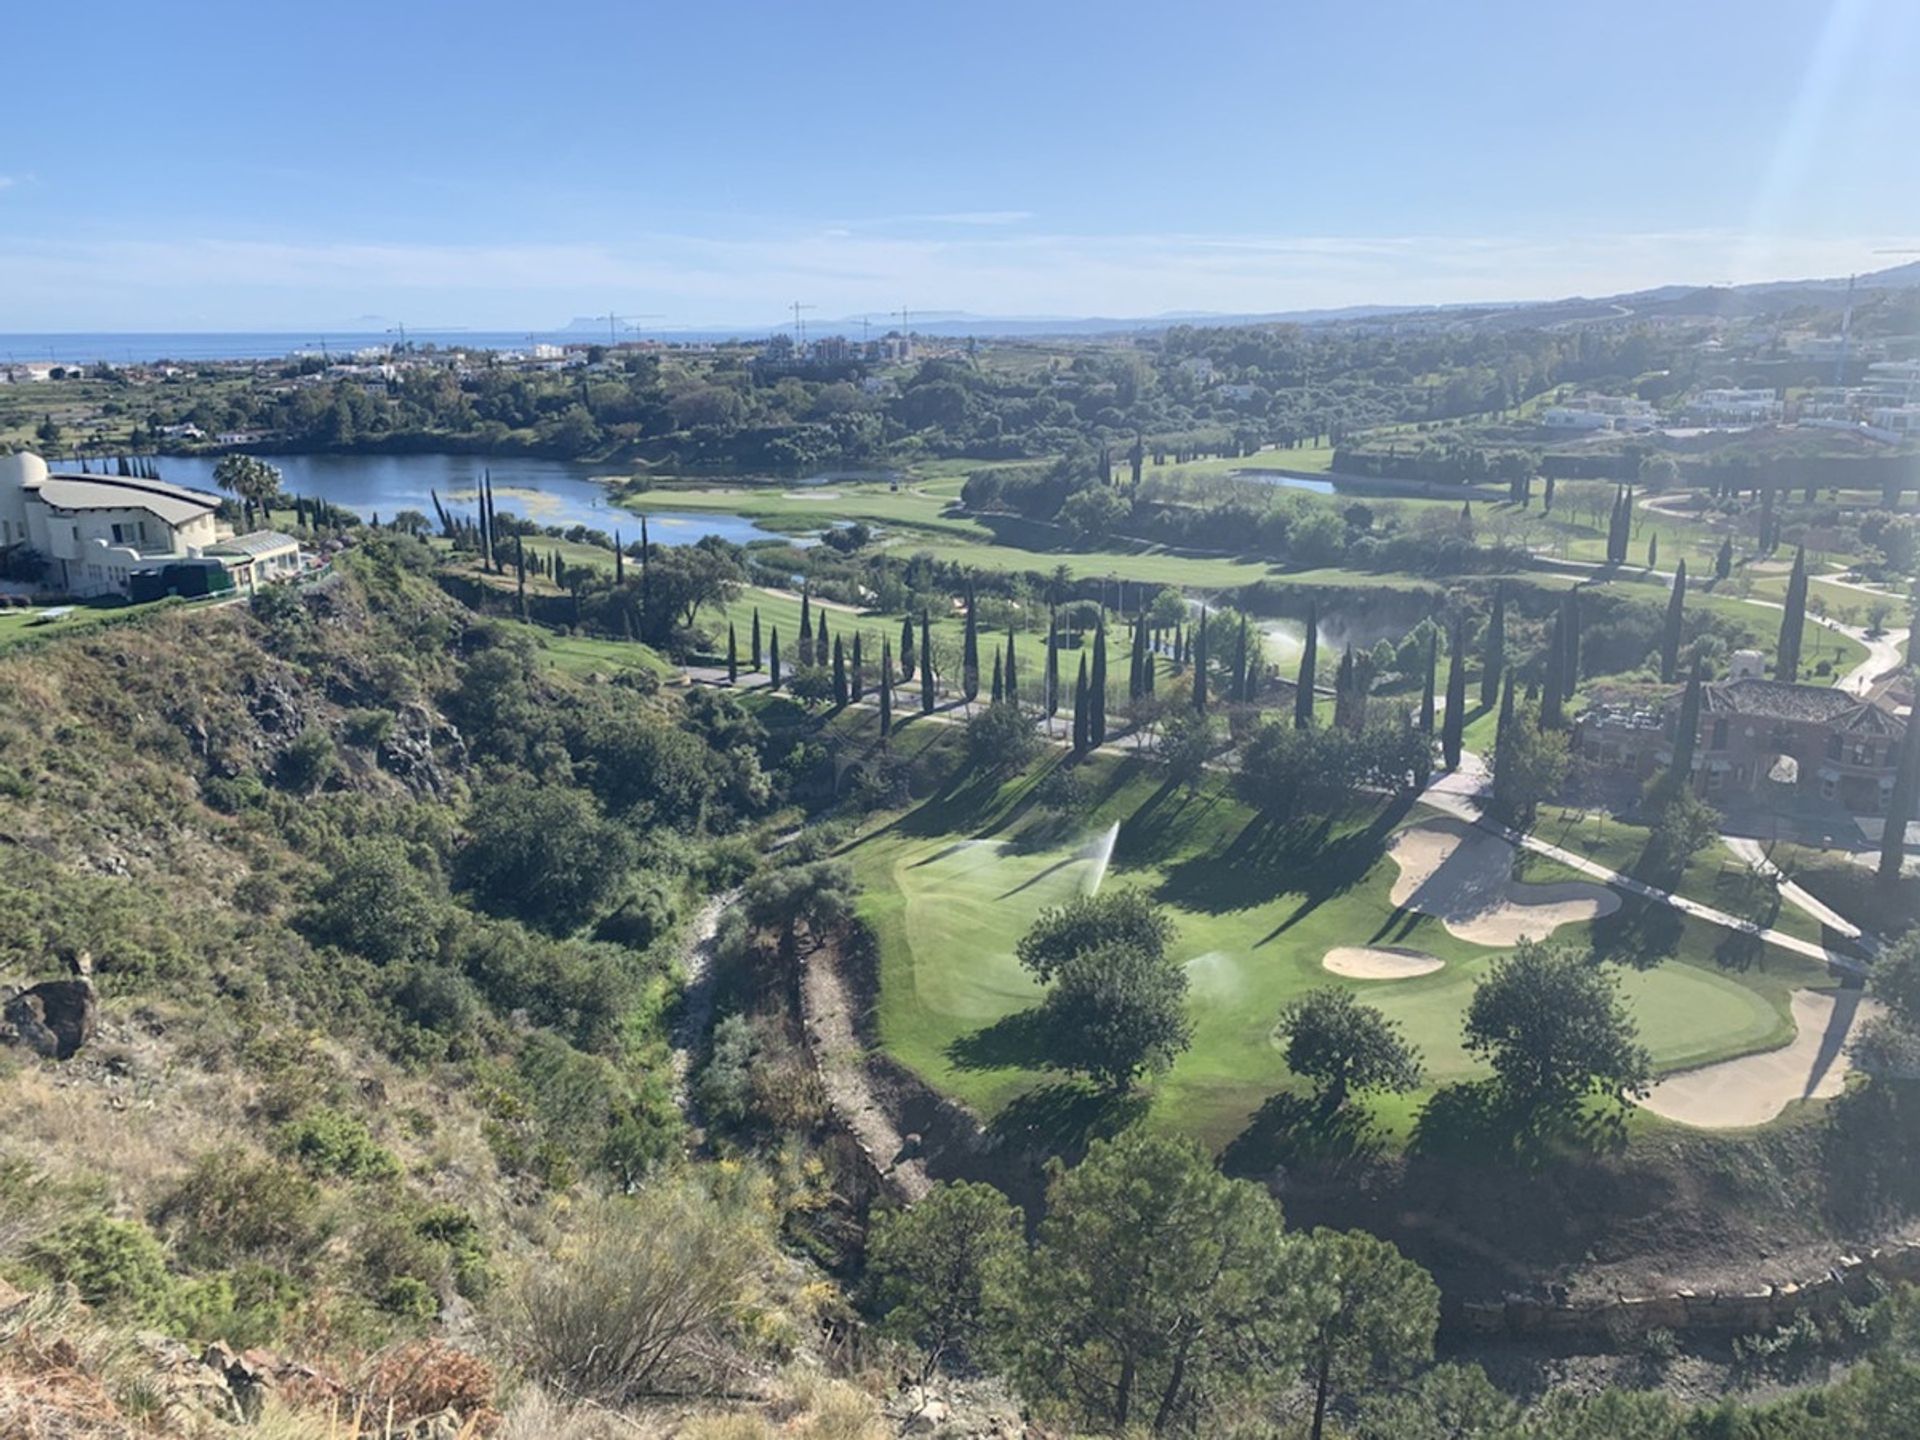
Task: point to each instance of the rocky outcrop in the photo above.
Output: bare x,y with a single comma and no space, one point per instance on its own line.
423,751
53,1019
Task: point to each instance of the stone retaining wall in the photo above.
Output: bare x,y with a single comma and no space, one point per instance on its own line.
1854,1279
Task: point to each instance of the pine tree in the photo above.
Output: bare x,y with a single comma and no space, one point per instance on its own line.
733,655
1426,689
999,677
756,637
886,688
1097,694
857,681
1670,634
1453,725
1309,668
970,653
1081,725
840,695
1723,559
906,648
773,660
1200,663
926,666
1495,652
1793,619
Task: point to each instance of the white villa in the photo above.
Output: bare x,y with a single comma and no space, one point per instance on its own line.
96,531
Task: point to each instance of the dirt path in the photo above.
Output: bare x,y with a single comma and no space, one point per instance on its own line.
827,1011
696,1009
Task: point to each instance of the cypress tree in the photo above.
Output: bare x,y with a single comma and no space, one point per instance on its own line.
1670,635
1793,619
1723,559
1081,725
999,677
1503,736
1496,648
1136,664
840,696
1906,780
773,660
1343,691
756,637
1256,670
1426,690
857,682
1686,734
1453,725
1653,551
970,653
1013,678
926,666
733,655
806,626
906,648
1200,663
646,581
1097,691
520,574
1570,648
1546,503
1552,703
1050,681
886,688
1309,667
1240,657
821,649
619,561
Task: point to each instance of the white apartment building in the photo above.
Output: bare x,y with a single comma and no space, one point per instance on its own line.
96,530
1734,407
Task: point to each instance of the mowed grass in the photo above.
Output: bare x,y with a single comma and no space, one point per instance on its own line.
950,887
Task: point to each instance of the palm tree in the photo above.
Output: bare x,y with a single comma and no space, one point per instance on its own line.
250,478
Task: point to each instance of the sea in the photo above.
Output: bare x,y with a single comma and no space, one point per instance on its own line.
142,347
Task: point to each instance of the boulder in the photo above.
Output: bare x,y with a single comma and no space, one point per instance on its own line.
54,1018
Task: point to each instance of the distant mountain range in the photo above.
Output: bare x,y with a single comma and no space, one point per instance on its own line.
1665,300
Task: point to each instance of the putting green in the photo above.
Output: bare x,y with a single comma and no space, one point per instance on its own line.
1256,913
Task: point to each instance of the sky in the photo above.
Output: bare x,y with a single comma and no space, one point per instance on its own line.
491,165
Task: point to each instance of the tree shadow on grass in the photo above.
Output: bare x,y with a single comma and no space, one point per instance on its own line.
1641,933
1066,1117
1291,1130
1014,1042
1341,865
1265,860
1480,1122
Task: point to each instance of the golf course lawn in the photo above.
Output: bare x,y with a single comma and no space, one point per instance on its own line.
950,887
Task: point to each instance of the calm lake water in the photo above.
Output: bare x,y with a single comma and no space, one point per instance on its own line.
547,492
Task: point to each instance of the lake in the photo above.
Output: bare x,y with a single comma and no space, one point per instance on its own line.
547,492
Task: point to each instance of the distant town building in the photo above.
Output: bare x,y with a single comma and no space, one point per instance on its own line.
1601,412
1734,407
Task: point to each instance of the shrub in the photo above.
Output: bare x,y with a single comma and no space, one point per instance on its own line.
308,763
231,1206
648,1294
329,1142
377,904
110,1262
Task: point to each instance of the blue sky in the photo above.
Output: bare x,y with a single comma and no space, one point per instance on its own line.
265,166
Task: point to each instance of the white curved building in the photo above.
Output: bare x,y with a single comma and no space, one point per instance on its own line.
96,530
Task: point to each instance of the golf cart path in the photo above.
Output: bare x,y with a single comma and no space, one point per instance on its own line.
1452,795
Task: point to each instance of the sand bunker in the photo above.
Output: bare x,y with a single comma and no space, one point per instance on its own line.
1755,1088
1379,962
1463,877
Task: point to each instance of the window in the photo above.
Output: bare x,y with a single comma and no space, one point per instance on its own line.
1833,747
1719,734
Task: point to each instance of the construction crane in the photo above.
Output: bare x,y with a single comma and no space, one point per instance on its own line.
622,321
399,327
799,325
